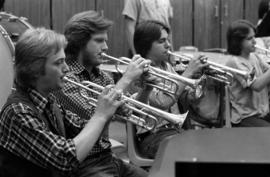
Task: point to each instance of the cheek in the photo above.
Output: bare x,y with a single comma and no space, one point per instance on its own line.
53,73
244,45
156,48
92,47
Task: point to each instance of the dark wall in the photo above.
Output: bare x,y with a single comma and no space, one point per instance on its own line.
201,23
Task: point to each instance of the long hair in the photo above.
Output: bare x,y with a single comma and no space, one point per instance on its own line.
236,33
80,28
145,34
32,50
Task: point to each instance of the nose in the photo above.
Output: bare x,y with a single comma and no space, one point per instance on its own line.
254,40
105,46
167,44
65,68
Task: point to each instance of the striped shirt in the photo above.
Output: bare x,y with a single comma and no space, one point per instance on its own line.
71,98
23,133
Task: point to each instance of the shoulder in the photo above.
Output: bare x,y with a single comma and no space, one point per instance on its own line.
13,110
231,60
19,102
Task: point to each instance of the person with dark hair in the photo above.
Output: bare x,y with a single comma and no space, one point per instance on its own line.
86,33
38,137
248,96
151,41
136,11
263,26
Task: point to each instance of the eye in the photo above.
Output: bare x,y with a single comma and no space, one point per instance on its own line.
60,61
161,40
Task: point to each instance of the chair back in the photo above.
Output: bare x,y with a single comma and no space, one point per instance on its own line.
134,156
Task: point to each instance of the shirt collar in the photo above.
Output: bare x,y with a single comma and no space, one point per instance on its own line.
39,100
77,68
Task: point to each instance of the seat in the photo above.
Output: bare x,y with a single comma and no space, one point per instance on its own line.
133,153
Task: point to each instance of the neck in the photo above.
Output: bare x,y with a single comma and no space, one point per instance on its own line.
245,55
42,91
154,61
88,67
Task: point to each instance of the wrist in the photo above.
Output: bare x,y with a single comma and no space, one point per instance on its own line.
123,83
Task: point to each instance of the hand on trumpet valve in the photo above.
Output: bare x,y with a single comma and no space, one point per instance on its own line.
203,58
196,66
136,67
108,101
148,81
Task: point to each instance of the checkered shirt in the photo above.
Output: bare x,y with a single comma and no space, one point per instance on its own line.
23,133
72,100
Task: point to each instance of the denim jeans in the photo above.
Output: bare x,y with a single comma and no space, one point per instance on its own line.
106,165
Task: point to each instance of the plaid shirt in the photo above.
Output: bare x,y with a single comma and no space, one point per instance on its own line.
23,133
72,100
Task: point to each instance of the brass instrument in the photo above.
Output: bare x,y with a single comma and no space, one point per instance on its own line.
196,84
267,51
137,107
224,72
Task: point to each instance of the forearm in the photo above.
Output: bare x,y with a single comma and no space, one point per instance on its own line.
182,85
261,82
87,138
129,30
123,83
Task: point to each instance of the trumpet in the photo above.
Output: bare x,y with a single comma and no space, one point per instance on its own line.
196,84
138,108
267,51
225,72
